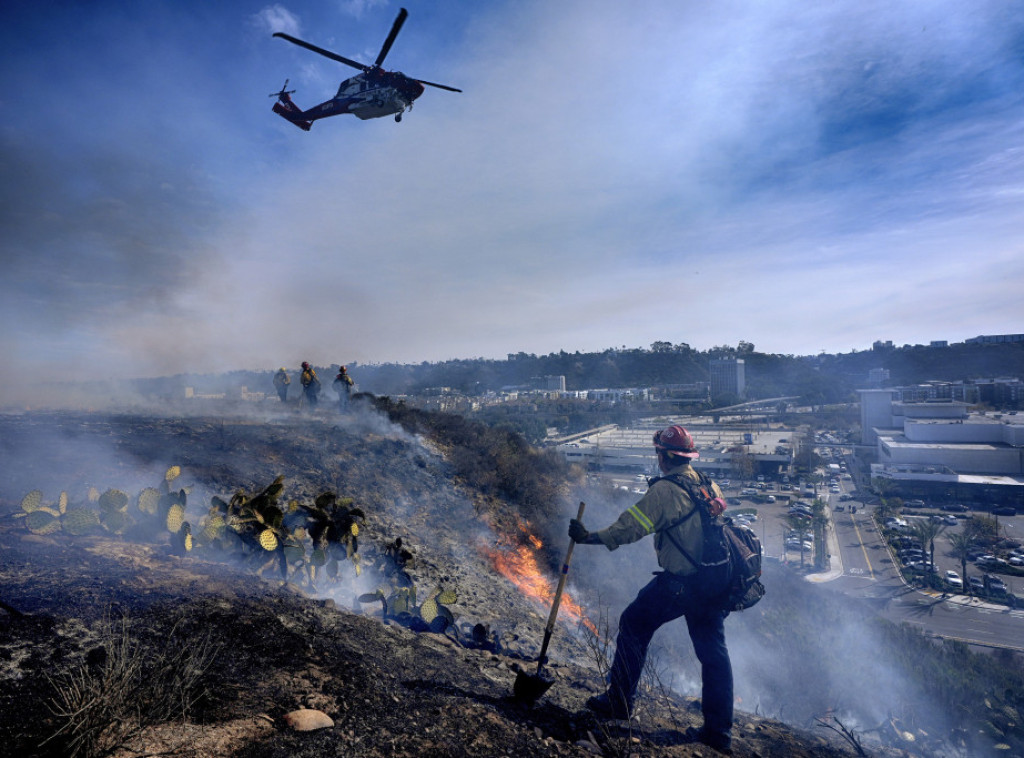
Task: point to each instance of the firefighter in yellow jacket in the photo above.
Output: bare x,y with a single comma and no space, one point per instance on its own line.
343,386
664,512
281,382
310,384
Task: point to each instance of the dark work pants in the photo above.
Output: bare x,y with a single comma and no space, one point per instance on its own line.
663,600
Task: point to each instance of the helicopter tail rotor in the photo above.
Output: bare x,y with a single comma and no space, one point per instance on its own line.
283,93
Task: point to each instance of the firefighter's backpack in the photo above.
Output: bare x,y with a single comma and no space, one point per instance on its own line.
729,571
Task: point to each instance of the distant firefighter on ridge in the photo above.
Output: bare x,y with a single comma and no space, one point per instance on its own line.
281,382
310,384
343,386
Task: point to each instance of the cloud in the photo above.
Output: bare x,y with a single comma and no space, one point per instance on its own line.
802,178
276,18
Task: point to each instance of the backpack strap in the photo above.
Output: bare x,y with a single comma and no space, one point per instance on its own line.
687,488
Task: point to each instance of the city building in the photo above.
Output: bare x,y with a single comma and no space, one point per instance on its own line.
878,376
989,339
728,377
554,383
723,449
938,449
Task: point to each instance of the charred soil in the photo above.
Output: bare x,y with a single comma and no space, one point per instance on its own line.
270,648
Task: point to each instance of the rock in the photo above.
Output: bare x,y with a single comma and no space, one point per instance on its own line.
591,746
308,719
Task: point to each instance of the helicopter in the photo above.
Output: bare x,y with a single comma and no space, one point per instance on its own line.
371,94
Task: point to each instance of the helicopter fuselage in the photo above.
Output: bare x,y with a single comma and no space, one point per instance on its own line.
373,94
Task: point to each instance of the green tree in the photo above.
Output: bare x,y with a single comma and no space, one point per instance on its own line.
799,525
926,531
961,545
819,522
984,529
743,465
888,507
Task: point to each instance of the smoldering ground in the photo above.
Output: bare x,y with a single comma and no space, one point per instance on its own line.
801,653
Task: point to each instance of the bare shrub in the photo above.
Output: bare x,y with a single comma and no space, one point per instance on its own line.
123,687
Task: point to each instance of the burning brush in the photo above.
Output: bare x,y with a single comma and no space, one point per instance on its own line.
519,564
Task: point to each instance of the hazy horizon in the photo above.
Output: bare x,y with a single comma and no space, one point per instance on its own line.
806,179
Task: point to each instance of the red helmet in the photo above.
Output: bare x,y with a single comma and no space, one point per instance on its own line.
676,440
305,365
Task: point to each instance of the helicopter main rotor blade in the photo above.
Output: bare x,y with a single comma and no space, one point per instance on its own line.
395,28
325,53
439,86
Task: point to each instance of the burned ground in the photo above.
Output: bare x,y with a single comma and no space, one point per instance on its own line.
277,648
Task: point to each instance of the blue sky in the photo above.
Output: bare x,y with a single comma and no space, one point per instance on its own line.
802,176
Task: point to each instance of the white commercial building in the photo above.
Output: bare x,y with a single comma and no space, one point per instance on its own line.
940,448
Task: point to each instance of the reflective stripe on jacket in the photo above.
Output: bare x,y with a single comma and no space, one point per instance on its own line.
664,504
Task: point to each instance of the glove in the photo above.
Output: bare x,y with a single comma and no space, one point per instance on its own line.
579,534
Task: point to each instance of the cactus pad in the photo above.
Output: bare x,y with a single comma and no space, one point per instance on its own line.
149,501
175,518
42,522
268,541
32,501
113,500
80,520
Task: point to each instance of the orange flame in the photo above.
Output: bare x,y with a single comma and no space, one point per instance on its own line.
517,561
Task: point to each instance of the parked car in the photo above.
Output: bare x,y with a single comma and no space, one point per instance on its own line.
1008,510
990,561
1016,560
954,507
954,579
950,521
994,584
914,503
976,584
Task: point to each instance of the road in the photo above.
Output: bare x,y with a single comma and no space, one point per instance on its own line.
868,572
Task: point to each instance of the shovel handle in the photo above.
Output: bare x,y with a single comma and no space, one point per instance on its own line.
558,596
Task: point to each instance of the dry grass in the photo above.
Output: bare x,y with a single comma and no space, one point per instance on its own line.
124,687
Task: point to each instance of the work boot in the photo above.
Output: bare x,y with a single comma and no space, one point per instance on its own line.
607,707
720,742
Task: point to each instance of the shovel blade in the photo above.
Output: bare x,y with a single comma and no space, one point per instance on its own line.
530,687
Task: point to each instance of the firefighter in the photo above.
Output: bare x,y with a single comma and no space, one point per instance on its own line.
281,382
668,596
343,386
310,384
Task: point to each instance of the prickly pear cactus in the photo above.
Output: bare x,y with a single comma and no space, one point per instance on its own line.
81,520
113,500
41,521
175,518
149,501
268,540
32,501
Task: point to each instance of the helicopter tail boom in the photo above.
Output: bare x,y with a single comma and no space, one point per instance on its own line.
286,109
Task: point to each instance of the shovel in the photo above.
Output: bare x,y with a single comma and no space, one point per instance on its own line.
529,687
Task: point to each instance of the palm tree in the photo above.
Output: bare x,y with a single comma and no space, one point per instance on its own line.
926,531
962,543
798,524
819,522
